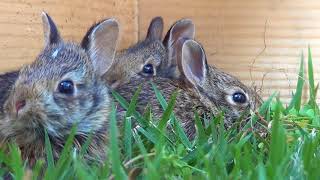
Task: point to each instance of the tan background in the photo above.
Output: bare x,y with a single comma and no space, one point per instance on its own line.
265,37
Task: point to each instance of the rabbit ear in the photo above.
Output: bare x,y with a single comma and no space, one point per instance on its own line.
51,33
100,42
194,63
155,29
181,31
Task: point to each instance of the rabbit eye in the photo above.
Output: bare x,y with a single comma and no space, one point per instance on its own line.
148,69
66,87
239,97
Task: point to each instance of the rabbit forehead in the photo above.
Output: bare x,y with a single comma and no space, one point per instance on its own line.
224,81
143,51
56,61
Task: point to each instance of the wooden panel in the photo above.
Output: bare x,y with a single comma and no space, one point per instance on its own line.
21,31
265,37
234,33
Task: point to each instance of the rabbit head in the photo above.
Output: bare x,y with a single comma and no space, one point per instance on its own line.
215,86
63,87
140,60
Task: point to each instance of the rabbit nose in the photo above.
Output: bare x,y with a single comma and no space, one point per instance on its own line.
20,104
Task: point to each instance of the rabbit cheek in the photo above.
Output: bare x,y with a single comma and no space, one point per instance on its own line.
65,104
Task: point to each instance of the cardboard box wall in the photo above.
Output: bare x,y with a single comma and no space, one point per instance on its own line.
265,37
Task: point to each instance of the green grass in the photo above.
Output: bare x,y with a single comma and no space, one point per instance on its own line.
146,150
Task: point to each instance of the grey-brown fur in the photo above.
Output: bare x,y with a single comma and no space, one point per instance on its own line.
48,109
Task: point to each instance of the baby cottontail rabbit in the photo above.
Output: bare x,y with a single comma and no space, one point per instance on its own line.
139,60
62,88
215,86
212,84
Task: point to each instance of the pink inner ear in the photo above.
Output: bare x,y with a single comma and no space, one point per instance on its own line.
195,63
182,31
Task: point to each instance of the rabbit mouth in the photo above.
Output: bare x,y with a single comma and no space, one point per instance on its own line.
24,134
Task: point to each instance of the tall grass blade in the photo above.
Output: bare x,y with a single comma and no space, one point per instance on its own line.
133,102
128,137
15,162
278,142
167,113
202,137
311,80
114,148
50,160
296,99
176,124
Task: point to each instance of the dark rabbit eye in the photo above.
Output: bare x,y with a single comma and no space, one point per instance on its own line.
148,69
239,97
66,87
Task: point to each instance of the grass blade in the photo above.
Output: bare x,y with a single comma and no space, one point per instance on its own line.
311,80
86,144
296,100
128,123
15,162
278,142
167,113
114,148
126,105
313,90
181,134
176,125
128,137
202,138
152,173
50,160
65,160
37,170
133,102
